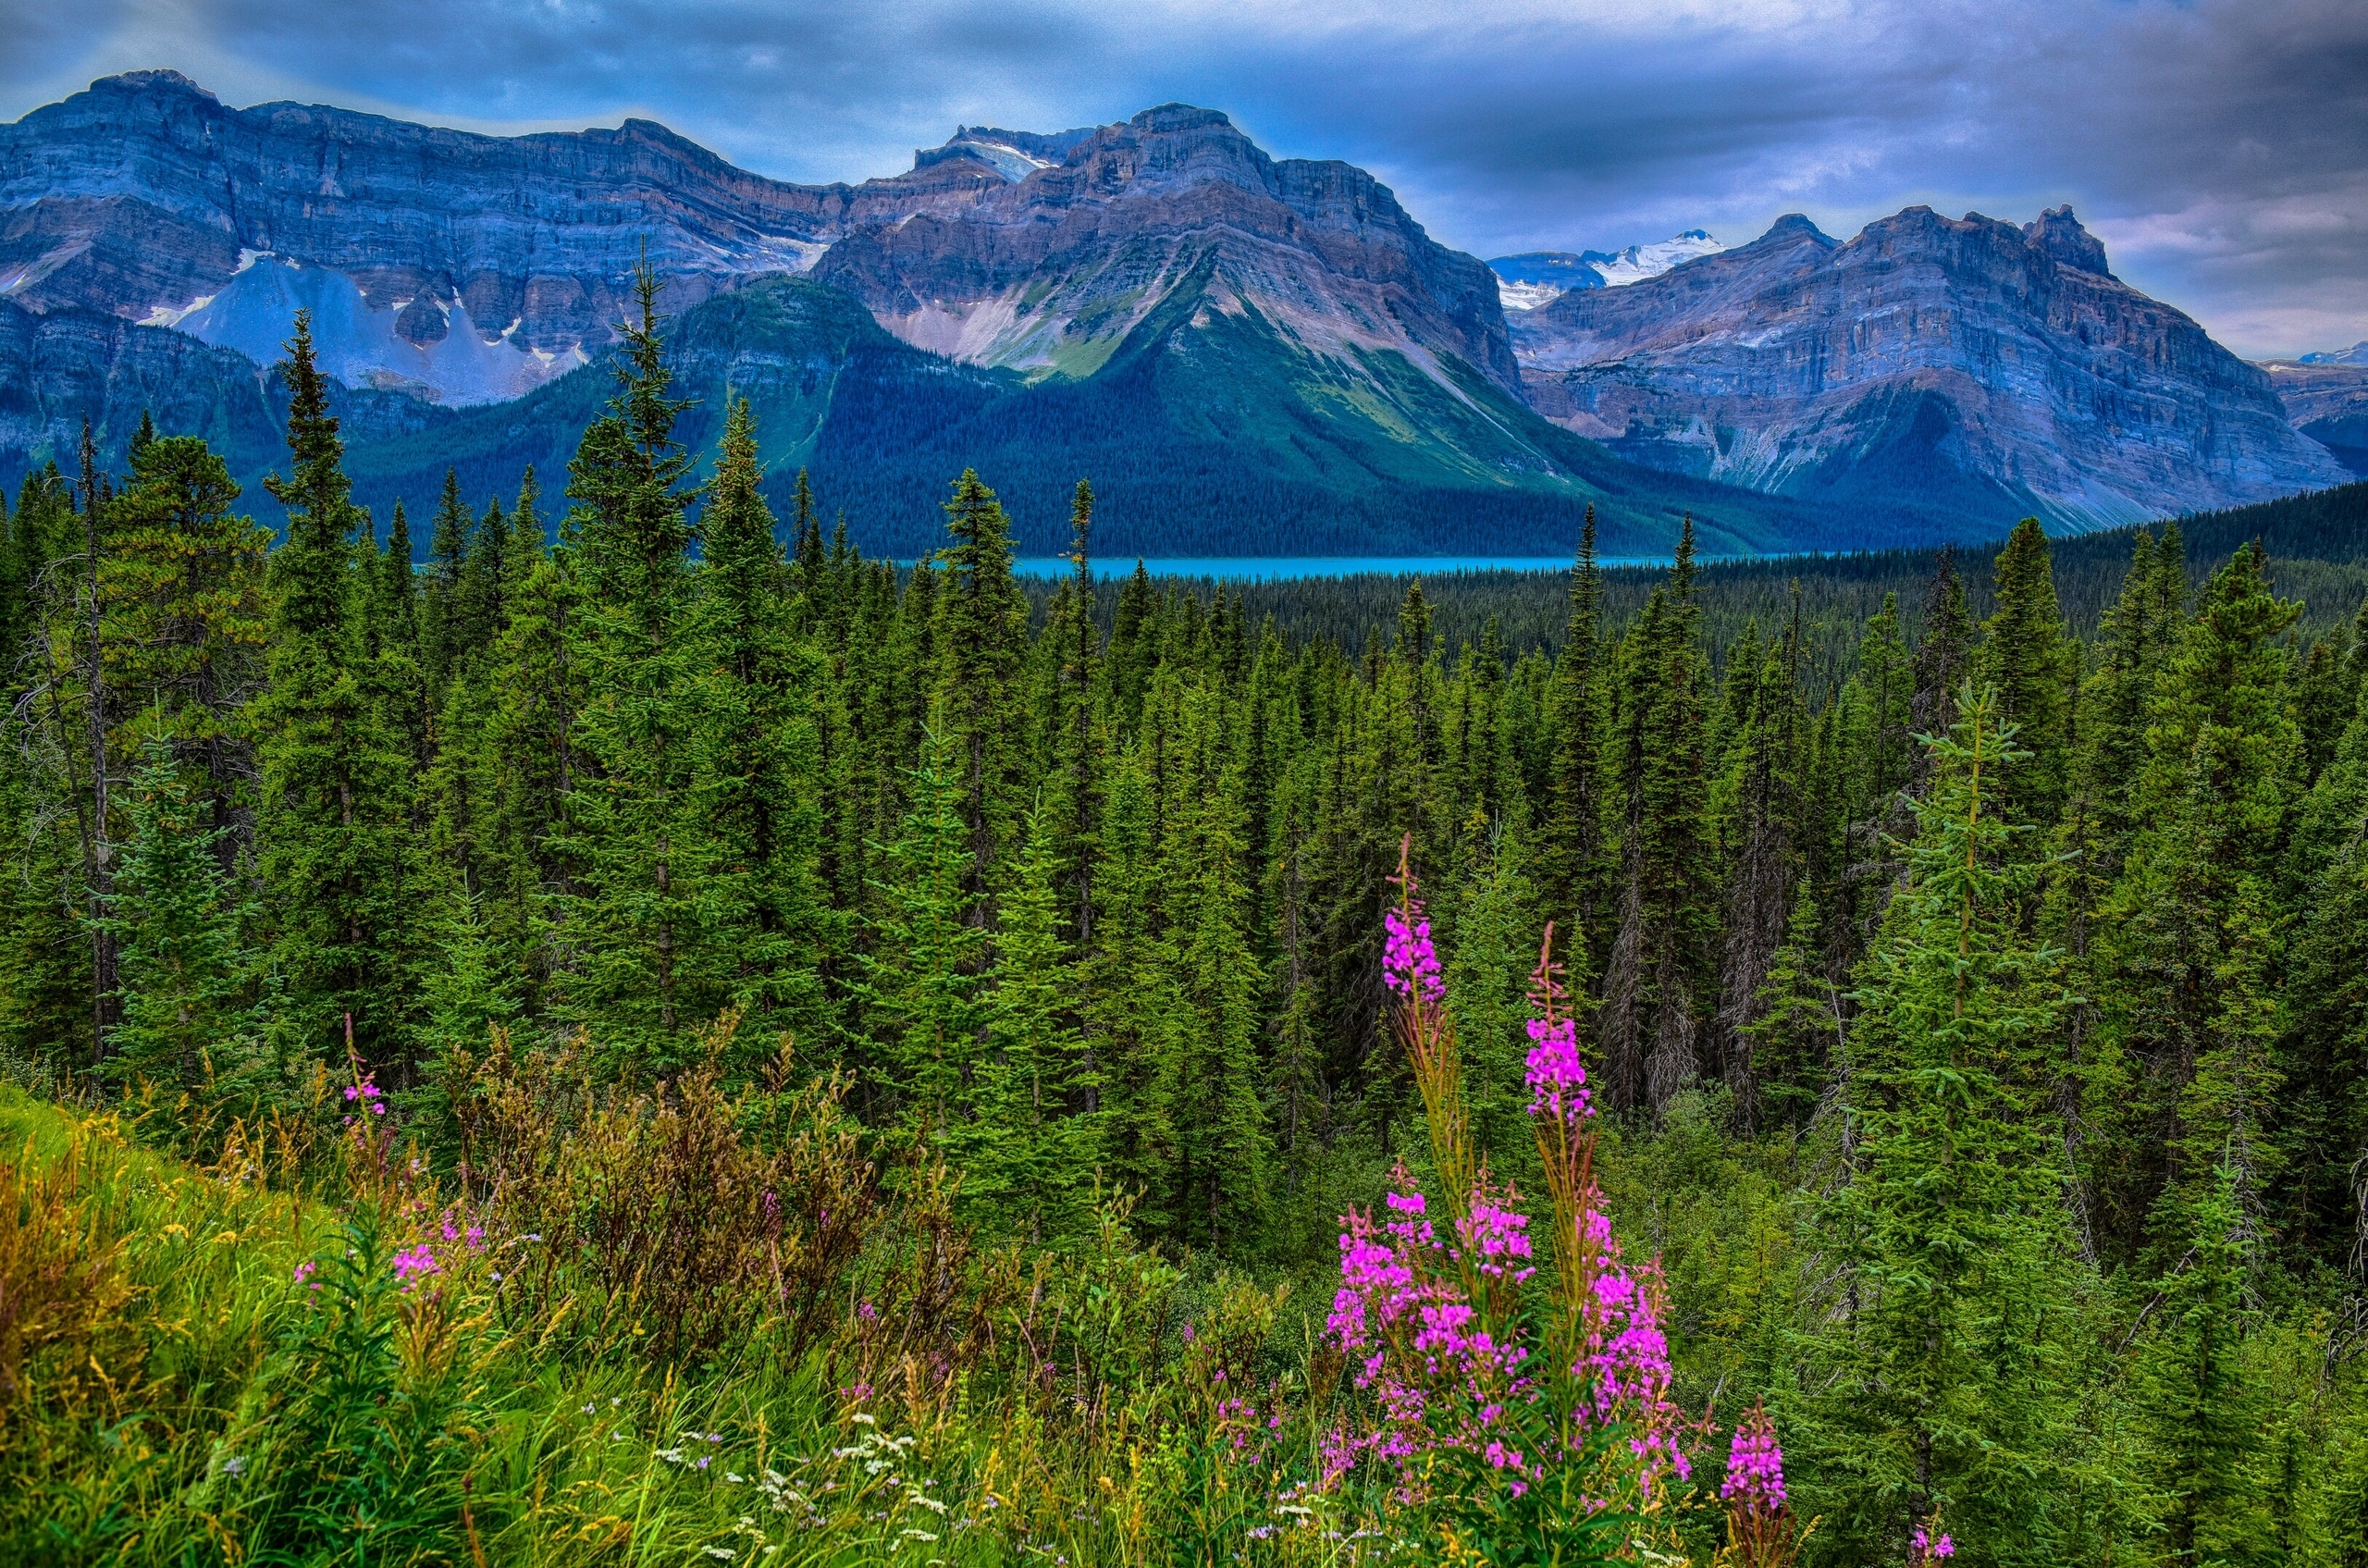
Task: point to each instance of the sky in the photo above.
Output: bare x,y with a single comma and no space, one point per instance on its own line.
2219,147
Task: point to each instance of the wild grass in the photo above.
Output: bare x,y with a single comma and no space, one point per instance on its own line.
631,1326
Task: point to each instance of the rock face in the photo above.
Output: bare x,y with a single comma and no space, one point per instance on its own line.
1273,343
1050,273
470,269
2327,397
144,197
1966,365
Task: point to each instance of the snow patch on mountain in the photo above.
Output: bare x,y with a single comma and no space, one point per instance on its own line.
357,340
1526,296
1639,262
1539,277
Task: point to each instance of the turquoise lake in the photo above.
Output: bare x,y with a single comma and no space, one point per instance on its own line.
1272,568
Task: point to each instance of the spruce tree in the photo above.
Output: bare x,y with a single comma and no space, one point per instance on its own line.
1792,1036
185,1021
981,639
645,975
2202,1409
440,635
926,1012
2187,947
185,621
1207,1080
336,860
2026,657
759,784
1030,1152
1943,658
1932,1394
1655,973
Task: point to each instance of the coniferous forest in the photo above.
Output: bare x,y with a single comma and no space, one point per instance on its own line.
651,1037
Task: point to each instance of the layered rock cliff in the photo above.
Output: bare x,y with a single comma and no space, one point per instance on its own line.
469,268
1166,286
1966,364
146,197
2326,396
1050,273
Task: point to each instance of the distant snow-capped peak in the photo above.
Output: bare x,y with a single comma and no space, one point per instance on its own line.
1536,278
1639,262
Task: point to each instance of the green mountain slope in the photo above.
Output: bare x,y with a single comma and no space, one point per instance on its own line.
1206,431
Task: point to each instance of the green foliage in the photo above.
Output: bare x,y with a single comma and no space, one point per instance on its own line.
1955,1287
2000,1131
185,1024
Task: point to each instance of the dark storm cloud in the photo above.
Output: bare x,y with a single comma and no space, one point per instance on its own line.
2216,145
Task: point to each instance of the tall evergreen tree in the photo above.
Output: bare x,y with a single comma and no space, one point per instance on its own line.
185,966
184,626
757,784
336,860
2026,657
1654,977
1950,1231
644,976
2190,950
981,640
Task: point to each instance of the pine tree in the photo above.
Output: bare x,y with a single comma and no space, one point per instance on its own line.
1654,977
923,984
1764,789
184,626
2187,949
981,639
1794,1034
391,639
2026,657
1943,658
335,835
534,743
1030,1151
440,634
2203,1411
645,975
1930,1395
758,779
184,1016
1207,1080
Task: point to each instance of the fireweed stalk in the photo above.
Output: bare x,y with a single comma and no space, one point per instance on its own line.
1759,1522
1556,1416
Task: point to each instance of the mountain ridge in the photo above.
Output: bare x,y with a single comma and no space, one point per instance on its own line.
1990,366
1161,280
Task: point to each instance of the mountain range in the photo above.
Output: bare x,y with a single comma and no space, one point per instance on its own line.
1248,355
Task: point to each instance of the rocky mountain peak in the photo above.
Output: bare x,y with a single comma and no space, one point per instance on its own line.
1014,154
1792,226
1983,366
1171,118
2058,233
151,82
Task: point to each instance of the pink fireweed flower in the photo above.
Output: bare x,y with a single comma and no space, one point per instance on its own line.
1754,1465
1498,1239
1409,963
365,1097
415,1264
1557,1079
1923,1550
